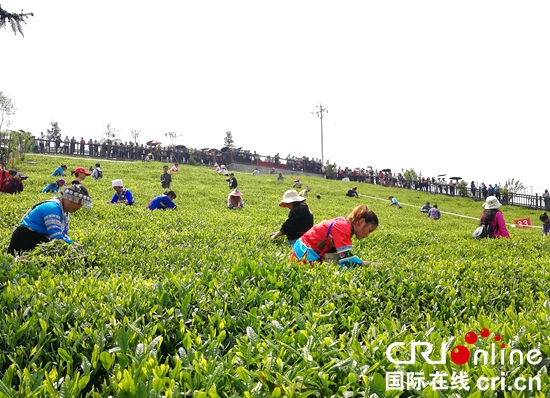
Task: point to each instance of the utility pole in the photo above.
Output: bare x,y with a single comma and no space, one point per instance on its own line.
320,113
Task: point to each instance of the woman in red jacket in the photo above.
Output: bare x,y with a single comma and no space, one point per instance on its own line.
334,236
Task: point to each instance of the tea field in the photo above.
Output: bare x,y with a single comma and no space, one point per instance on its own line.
199,302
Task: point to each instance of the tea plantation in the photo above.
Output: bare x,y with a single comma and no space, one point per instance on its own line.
199,302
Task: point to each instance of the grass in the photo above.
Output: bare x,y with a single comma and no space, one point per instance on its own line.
200,302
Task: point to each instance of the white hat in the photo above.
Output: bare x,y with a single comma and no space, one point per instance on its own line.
291,196
491,203
117,183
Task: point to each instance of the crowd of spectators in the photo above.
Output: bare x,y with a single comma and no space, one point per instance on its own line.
116,149
154,151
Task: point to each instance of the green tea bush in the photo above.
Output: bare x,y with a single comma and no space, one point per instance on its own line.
200,302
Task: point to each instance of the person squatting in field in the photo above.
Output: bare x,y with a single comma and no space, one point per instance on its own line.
163,202
49,220
235,200
492,216
122,195
60,171
54,186
334,236
545,224
300,218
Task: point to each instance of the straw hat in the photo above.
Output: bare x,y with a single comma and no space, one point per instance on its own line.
291,196
491,203
235,192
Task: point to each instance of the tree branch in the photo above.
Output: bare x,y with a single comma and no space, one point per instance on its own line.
14,19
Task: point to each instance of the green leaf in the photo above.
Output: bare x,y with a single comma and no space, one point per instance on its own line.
221,336
252,336
106,359
64,355
5,390
300,321
83,381
123,337
141,390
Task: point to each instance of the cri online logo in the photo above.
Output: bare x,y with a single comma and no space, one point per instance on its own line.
461,354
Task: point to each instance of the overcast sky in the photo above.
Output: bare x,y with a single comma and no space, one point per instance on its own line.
444,87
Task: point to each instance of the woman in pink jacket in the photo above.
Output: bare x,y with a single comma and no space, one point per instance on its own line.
492,216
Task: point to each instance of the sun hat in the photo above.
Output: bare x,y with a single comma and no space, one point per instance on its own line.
61,182
491,203
117,183
296,179
82,170
291,196
235,192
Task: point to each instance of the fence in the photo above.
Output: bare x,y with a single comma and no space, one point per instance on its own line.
181,154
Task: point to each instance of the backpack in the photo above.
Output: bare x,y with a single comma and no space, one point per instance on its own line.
99,173
483,231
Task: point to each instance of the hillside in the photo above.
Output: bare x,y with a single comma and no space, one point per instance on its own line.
201,302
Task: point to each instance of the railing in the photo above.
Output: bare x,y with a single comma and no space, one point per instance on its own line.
179,154
182,155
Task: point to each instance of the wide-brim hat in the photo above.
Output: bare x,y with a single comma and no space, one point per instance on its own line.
235,192
82,170
491,203
117,183
291,196
296,179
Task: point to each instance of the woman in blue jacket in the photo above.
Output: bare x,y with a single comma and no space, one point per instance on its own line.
49,220
54,186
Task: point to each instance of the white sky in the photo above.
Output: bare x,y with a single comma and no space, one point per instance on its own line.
455,87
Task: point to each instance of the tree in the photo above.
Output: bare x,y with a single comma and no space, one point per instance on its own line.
228,140
135,136
410,176
110,132
462,188
331,170
172,136
7,109
513,186
19,142
14,19
55,132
